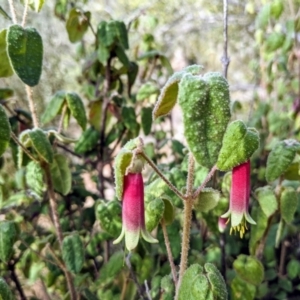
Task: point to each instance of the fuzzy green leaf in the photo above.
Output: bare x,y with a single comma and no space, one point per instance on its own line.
25,50
54,107
35,178
77,24
154,212
267,200
288,204
239,143
207,200
206,112
169,211
73,253
168,95
242,290
4,130
8,236
280,158
87,141
61,174
77,109
5,67
108,216
249,269
41,144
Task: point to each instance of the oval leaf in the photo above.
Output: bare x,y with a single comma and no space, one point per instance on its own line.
5,292
8,235
25,50
4,130
146,116
41,144
73,253
207,200
280,158
267,200
288,204
5,67
77,24
77,109
61,174
54,106
239,143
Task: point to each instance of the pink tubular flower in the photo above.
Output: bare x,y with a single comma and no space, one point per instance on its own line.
239,199
222,223
133,212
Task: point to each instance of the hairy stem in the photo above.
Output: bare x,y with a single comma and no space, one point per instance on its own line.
25,12
32,107
161,175
225,59
12,11
187,222
169,252
55,218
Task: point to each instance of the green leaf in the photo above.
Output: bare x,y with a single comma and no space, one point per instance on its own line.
120,52
280,158
122,161
207,200
146,116
77,109
4,131
129,119
73,253
167,285
122,34
206,112
6,93
267,200
168,95
242,290
5,67
35,178
111,268
25,50
5,292
154,212
8,236
239,143
41,144
169,211
87,141
103,54
249,269
292,173
77,24
108,215
54,107
274,41
146,90
263,17
288,204
61,174
293,268
277,8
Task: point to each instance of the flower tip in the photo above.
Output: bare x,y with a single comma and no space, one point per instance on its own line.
148,237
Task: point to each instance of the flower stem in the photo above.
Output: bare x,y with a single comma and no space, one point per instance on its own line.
161,175
188,208
32,106
12,11
25,12
169,252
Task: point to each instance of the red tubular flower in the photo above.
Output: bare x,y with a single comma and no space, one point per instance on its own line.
133,212
239,198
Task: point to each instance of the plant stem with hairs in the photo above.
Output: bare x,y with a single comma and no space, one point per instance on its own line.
187,219
225,59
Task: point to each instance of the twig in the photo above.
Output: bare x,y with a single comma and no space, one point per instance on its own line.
169,252
187,222
139,288
25,12
14,277
284,247
147,290
32,107
204,183
12,11
16,140
55,218
69,150
223,255
161,175
225,59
